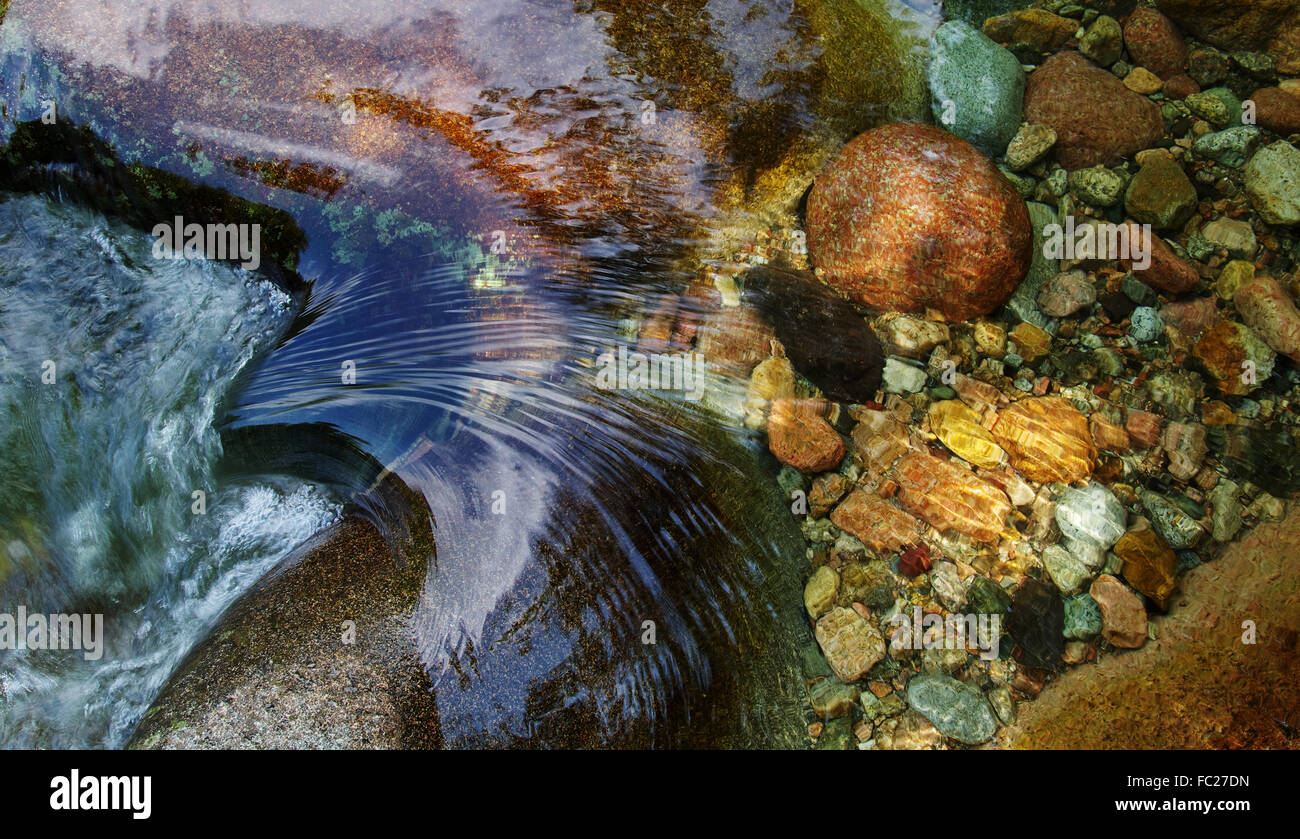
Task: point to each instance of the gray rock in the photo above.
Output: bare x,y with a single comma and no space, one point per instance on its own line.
1225,513
1082,618
957,709
832,698
1138,291
1023,302
1145,325
1066,570
1091,515
1272,179
1234,235
1169,521
1066,293
977,87
1232,147
948,586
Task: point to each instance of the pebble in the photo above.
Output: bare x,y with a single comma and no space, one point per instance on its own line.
1103,42
820,591
800,437
1160,195
948,586
1065,570
1143,81
1123,618
909,335
1173,525
1090,515
1097,186
901,377
1267,309
1232,147
1145,325
1234,275
1030,144
1066,293
1149,565
1216,106
850,644
1233,235
958,710
1184,442
832,699
1277,110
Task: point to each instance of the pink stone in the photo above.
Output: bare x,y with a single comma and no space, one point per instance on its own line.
1190,317
1123,618
1266,308
1185,444
1143,428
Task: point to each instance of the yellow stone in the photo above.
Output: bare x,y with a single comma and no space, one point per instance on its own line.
1032,342
1234,275
1143,81
958,427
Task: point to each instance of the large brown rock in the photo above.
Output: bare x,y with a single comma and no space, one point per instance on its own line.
1269,25
1277,110
909,216
1096,118
1154,43
875,522
800,437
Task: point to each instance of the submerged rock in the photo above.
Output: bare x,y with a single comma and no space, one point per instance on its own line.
1272,179
976,86
851,645
1149,565
1123,618
1097,119
951,498
1037,624
823,334
957,709
1154,43
799,436
1046,439
909,216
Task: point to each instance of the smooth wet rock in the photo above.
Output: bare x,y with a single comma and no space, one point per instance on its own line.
947,585
1173,525
1149,565
1103,42
832,699
1142,81
1123,618
1233,276
1046,439
910,335
877,523
1216,106
1236,360
1184,443
850,644
1030,144
957,709
823,335
1277,110
1269,25
977,87
1269,311
1067,293
1232,146
901,377
1096,119
1108,436
820,591
1036,624
958,427
908,731
909,216
1091,515
1233,235
1160,194
1143,428
1167,271
1039,28
1154,43
949,497
1272,179
800,437
1145,325
1067,571
1225,510
1024,300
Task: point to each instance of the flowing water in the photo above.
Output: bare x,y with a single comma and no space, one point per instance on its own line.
519,184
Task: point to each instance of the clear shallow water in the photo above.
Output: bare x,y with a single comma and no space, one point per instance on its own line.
97,469
473,379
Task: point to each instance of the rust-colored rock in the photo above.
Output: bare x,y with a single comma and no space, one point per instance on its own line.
914,561
1190,317
1277,110
1154,43
734,338
1097,119
951,498
1106,435
1143,428
1185,444
1046,439
875,522
908,216
799,436
1032,341
1268,310
1150,565
1123,619
1180,87
1167,271
1223,352
826,490
958,427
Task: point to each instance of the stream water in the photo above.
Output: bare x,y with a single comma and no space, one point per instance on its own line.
516,184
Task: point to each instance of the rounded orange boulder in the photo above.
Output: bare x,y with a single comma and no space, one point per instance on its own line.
908,216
